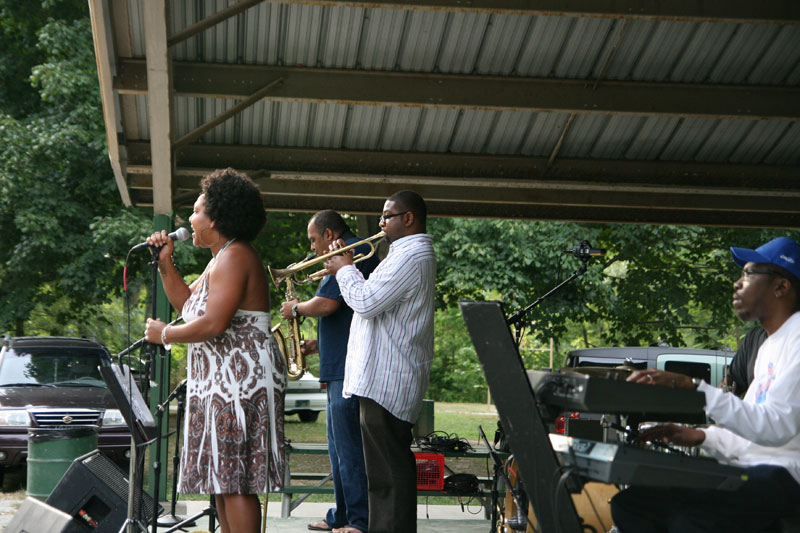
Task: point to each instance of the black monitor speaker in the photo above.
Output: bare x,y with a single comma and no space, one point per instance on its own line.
94,491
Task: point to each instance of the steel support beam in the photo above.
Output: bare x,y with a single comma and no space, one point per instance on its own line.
204,80
512,192
496,186
199,158
211,21
742,11
600,214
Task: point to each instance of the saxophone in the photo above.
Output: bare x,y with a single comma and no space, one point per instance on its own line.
291,345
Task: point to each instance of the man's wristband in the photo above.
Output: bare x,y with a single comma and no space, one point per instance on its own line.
696,382
295,314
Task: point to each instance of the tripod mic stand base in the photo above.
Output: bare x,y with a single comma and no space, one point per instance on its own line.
169,520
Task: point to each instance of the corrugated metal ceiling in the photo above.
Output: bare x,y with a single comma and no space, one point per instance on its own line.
481,44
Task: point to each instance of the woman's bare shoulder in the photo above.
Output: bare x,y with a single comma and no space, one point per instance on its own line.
241,255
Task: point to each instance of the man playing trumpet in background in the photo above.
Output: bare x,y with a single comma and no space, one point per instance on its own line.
333,329
389,355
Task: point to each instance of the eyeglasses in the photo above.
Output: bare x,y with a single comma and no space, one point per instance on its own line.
385,218
748,273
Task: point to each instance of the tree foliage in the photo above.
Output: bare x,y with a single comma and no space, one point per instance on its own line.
20,23
55,181
656,283
65,231
61,218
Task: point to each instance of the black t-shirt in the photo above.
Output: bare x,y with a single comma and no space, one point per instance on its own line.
744,361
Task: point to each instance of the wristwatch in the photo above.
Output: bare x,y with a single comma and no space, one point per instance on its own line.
294,310
696,382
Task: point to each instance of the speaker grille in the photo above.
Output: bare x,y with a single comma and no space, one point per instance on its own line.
109,474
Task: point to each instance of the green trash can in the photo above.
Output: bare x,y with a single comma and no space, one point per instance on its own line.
51,451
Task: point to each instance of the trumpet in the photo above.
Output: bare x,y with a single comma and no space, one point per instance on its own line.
292,272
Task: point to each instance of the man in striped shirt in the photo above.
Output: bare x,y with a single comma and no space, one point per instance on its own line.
345,448
389,355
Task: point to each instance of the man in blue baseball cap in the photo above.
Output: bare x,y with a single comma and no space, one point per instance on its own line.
760,432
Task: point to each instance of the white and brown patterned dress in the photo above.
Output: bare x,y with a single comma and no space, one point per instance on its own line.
234,406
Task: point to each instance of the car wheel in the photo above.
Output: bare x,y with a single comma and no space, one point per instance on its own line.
308,416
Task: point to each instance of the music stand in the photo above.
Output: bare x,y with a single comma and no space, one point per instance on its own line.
130,402
519,414
140,423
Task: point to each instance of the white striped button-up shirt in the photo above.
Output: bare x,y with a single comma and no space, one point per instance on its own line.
390,349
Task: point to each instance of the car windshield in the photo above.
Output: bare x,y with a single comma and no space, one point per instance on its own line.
58,367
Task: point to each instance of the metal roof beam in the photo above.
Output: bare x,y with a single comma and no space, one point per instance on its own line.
471,92
514,192
744,11
211,20
593,213
222,117
197,159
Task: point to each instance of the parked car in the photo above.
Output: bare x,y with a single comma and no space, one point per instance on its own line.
709,365
54,381
306,397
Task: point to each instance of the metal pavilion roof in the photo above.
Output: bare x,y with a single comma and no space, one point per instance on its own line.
593,110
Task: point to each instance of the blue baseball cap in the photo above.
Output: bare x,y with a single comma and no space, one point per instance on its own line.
783,252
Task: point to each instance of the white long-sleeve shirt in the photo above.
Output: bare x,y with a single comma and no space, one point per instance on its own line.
390,349
763,427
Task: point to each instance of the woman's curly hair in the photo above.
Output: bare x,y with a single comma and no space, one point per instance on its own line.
234,202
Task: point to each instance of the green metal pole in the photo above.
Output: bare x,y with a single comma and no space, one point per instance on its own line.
160,390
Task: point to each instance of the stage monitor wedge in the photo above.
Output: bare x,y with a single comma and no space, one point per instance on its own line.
94,491
34,516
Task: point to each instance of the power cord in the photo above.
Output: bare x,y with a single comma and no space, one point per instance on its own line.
440,441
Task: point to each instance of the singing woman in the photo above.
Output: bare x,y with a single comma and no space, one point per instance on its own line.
236,376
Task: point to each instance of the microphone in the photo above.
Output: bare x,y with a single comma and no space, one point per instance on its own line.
584,250
180,234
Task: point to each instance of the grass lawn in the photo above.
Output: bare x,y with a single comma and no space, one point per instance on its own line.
461,419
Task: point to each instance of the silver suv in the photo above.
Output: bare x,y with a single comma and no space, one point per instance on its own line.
709,365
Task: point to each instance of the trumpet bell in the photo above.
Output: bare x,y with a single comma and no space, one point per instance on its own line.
278,275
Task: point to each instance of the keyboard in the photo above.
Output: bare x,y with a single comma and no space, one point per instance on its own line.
624,464
573,391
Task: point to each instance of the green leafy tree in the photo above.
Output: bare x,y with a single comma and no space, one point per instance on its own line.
656,283
60,213
20,22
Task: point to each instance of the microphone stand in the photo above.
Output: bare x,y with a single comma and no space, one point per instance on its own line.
159,358
171,519
516,319
142,341
154,353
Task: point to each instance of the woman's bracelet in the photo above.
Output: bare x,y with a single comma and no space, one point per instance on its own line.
164,335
